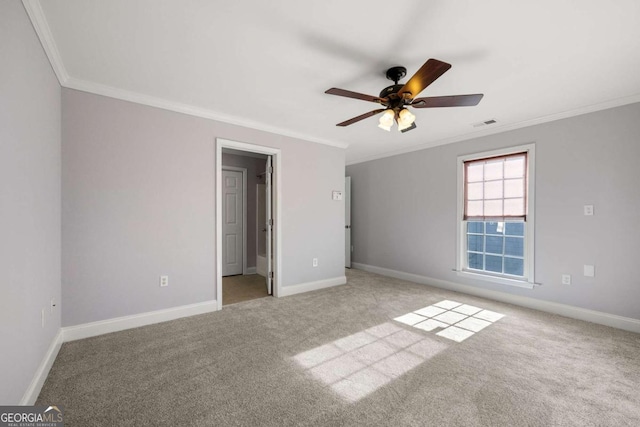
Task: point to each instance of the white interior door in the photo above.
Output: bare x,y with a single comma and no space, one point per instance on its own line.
261,229
347,222
269,225
232,222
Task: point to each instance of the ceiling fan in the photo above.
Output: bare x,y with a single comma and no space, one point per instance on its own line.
397,97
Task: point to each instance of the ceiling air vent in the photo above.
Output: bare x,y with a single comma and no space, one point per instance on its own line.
485,123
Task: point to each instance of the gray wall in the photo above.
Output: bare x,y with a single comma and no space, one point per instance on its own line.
29,202
139,202
404,209
254,166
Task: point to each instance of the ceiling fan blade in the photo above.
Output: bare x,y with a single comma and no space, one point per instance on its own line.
355,95
447,101
427,74
361,117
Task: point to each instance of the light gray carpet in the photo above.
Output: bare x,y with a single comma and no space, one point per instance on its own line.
252,364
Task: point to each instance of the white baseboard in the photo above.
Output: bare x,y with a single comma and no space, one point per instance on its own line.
615,321
312,286
251,270
86,330
32,392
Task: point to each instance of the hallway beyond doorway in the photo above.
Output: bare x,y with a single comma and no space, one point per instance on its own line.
242,288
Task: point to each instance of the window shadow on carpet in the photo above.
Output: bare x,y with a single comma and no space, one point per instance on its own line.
359,364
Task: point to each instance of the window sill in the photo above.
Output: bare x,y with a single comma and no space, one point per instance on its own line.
495,279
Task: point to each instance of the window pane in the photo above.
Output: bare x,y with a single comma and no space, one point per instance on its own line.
493,189
475,172
514,266
514,246
494,245
474,191
514,188
493,207
494,263
475,261
514,228
514,167
514,207
475,227
493,170
492,227
474,208
475,243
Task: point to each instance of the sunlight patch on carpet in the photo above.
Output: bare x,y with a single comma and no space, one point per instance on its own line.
359,364
458,321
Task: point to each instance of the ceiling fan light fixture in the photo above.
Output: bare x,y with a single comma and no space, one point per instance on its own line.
386,120
413,126
405,119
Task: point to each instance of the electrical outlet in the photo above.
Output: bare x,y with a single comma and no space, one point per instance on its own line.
566,279
164,281
589,270
588,210
315,262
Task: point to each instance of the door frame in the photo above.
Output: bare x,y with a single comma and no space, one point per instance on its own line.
244,212
277,209
347,220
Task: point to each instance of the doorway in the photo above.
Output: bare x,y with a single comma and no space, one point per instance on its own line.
247,221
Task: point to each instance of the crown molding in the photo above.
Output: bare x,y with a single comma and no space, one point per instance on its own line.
139,98
618,102
41,26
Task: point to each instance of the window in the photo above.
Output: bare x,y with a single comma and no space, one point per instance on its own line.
495,230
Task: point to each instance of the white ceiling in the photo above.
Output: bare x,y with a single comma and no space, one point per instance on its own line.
266,64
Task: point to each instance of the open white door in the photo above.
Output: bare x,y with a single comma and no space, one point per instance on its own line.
232,223
347,222
269,224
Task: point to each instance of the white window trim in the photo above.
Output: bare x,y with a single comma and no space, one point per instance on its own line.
528,281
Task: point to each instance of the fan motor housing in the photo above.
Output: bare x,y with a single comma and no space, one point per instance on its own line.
394,101
391,90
